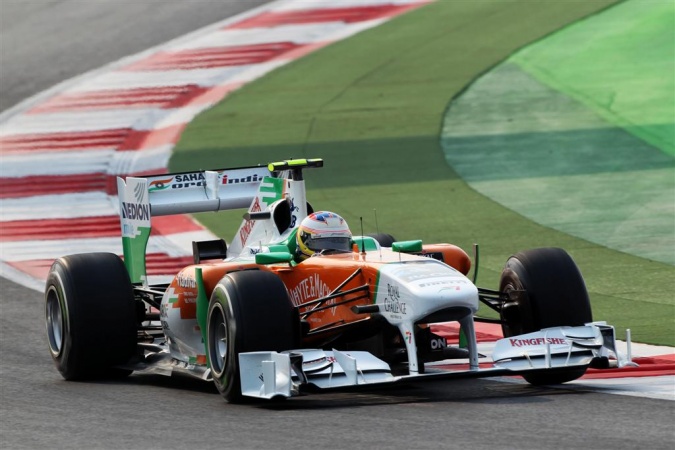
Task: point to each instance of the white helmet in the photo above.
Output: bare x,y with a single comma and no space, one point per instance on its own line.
322,230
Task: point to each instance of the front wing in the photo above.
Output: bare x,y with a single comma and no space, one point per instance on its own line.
271,374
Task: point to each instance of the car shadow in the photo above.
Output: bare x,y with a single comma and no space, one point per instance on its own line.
506,390
175,381
456,391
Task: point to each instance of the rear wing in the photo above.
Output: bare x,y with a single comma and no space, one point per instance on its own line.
255,187
141,198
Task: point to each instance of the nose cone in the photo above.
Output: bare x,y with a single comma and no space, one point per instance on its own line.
413,290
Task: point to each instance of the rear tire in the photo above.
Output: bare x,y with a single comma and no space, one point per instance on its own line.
554,295
90,315
248,311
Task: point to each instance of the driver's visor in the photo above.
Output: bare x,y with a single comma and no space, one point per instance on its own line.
330,243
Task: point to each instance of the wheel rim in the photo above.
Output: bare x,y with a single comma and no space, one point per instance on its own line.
54,322
218,341
510,327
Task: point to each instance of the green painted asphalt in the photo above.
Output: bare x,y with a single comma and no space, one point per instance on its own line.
620,63
577,131
549,157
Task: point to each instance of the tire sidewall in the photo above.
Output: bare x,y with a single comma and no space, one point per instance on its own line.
258,316
384,239
98,316
227,378
555,293
64,359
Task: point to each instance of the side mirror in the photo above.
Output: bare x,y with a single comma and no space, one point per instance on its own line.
273,258
407,246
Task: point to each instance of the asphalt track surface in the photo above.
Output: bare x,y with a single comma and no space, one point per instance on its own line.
43,43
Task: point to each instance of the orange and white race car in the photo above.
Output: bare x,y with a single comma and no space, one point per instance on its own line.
297,304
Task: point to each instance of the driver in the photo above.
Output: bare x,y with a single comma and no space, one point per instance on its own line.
321,231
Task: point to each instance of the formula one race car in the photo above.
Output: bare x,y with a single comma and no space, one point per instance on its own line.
262,318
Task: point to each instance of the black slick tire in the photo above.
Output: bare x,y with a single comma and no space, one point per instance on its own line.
248,311
547,291
385,240
90,316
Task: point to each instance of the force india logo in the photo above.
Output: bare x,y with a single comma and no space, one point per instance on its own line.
537,341
196,180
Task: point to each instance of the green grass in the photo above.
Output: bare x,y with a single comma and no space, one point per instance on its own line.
372,107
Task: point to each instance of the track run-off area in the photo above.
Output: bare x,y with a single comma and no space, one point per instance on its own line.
62,149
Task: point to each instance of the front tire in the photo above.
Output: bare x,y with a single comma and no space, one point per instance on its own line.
384,239
248,311
90,316
547,290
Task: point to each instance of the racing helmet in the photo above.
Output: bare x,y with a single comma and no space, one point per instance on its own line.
322,230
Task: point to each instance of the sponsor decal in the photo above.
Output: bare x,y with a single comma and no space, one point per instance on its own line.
433,255
190,177
186,282
159,185
455,283
272,189
139,193
186,298
438,343
308,289
234,180
185,180
135,220
408,337
294,217
197,179
410,272
537,341
135,211
245,230
393,303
